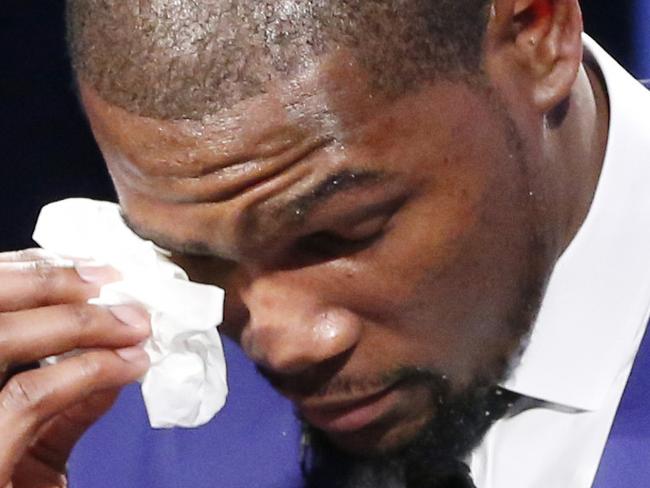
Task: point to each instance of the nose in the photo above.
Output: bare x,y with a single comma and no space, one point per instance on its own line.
289,330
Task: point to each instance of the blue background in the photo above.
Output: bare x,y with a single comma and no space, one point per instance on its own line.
641,39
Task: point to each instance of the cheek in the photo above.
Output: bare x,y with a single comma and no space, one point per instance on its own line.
443,287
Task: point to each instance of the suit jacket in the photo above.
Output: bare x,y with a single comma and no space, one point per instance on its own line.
626,459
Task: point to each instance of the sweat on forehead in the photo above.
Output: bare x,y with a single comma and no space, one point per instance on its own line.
179,59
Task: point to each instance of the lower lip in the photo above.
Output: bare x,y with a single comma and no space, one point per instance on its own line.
354,417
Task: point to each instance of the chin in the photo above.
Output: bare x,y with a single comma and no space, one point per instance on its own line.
376,424
383,438
446,429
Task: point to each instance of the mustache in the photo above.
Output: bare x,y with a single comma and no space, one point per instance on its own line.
312,384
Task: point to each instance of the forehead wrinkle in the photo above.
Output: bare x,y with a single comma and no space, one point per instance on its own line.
215,158
256,129
188,152
250,178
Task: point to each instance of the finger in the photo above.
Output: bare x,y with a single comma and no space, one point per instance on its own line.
25,255
12,370
58,436
31,335
30,399
31,284
31,472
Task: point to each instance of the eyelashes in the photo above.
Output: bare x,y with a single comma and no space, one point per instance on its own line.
343,240
329,244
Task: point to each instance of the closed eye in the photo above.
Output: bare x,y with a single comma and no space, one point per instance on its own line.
344,237
328,245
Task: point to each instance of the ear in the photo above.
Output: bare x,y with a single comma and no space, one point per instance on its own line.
533,49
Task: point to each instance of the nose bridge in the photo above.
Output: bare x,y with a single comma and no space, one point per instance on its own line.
292,326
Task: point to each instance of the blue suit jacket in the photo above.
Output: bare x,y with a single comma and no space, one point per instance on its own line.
626,460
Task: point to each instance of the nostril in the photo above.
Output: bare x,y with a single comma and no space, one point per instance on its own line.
251,346
289,363
233,326
310,382
265,346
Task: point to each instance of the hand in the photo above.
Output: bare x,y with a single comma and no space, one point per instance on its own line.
44,411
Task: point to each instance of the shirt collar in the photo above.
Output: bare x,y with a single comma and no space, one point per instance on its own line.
596,305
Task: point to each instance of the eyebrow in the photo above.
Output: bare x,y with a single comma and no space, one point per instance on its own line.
189,248
294,212
298,208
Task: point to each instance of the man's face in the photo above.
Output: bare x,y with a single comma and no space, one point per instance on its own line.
365,244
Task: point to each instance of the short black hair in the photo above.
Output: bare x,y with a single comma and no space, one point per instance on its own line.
183,59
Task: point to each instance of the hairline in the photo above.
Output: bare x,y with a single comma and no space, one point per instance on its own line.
141,74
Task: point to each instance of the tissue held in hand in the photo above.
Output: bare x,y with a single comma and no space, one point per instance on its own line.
186,384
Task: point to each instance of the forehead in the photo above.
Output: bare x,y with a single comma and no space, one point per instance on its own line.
324,103
267,150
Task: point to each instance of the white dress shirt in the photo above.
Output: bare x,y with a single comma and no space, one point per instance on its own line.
591,322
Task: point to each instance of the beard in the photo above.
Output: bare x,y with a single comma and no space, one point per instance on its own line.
436,457
433,459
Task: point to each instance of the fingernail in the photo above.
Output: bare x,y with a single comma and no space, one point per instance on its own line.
135,355
132,316
96,273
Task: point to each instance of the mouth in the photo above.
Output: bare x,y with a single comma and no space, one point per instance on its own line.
347,415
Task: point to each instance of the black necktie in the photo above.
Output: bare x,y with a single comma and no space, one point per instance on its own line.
451,474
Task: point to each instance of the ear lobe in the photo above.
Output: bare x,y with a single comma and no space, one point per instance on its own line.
539,42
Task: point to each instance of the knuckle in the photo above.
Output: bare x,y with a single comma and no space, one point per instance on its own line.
33,254
23,394
82,320
90,366
44,278
88,326
81,316
5,340
22,255
10,348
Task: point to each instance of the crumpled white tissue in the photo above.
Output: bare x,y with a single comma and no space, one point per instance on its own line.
186,383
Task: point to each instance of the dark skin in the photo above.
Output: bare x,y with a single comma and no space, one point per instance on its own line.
354,235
